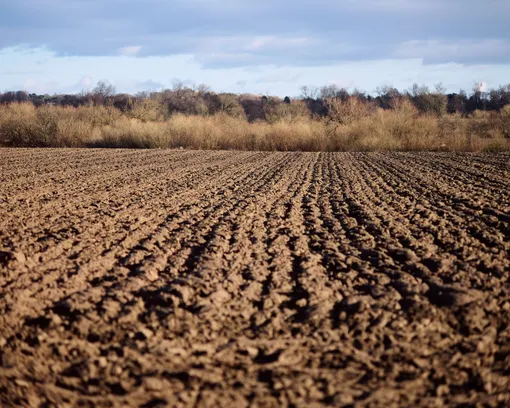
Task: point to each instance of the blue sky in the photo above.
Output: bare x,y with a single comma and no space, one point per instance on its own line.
262,46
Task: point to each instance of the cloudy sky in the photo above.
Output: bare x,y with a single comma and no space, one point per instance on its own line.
256,46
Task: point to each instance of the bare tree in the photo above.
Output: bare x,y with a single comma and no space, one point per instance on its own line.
440,89
310,92
103,92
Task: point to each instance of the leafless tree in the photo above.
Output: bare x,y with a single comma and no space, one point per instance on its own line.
103,92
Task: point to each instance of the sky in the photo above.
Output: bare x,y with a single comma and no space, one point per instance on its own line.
264,47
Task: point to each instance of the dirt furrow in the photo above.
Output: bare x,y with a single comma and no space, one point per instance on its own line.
188,278
481,182
452,202
69,238
87,254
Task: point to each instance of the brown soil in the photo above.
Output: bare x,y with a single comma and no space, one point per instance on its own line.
166,278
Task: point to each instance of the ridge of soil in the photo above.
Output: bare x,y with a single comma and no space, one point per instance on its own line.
162,278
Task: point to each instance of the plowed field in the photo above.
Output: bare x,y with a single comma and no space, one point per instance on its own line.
180,278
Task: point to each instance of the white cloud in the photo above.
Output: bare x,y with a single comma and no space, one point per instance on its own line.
130,51
282,77
274,42
249,44
38,86
302,32
451,51
63,75
85,82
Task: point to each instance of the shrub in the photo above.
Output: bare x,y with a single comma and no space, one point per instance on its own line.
505,121
350,124
133,133
290,111
146,110
229,105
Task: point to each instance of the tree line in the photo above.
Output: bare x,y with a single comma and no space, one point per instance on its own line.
313,101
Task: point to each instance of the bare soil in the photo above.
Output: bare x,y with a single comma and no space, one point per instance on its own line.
183,278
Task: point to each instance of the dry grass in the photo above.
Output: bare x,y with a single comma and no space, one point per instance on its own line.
24,125
350,126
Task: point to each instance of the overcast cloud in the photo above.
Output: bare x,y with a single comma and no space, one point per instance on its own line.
223,34
251,32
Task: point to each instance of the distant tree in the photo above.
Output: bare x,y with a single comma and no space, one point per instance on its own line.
21,96
434,103
253,107
9,97
457,102
333,91
478,99
360,95
183,99
202,89
103,92
498,98
310,92
387,97
230,105
124,102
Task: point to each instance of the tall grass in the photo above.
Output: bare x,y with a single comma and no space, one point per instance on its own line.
349,126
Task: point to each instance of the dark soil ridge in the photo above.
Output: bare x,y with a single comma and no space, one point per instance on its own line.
181,278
